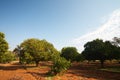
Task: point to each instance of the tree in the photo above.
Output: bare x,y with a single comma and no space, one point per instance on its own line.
116,41
19,53
3,45
79,58
110,50
38,50
69,53
98,50
8,57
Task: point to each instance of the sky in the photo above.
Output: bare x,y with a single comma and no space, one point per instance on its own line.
61,22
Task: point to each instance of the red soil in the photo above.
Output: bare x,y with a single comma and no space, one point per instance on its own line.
76,72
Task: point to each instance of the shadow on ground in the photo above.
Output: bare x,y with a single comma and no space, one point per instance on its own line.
93,70
10,66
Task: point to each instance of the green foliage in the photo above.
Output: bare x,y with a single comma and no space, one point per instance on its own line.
2,35
69,53
60,65
20,54
116,42
80,58
37,50
26,58
3,45
98,50
109,50
8,57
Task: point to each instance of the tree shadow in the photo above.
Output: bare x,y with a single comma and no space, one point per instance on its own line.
17,65
13,66
38,74
92,71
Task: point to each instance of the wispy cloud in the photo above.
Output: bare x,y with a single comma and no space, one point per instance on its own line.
110,29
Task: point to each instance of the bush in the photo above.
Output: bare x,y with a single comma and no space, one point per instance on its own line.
7,57
60,65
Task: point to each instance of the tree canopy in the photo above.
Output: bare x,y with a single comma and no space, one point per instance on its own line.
37,50
99,50
3,45
70,53
116,43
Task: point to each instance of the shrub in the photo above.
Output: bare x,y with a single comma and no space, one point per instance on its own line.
60,65
7,57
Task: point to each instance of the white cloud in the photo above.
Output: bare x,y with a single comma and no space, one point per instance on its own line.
110,29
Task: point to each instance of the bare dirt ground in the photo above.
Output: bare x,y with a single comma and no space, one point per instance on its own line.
14,71
78,71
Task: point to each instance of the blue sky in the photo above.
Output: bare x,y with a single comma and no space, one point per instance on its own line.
57,21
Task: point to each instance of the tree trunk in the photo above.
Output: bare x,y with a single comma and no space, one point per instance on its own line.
102,63
20,60
37,63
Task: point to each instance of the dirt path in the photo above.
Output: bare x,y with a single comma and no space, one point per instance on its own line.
14,71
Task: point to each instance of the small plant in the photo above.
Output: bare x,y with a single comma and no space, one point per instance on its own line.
60,65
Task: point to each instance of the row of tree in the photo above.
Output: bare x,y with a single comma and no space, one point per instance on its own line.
40,50
36,50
